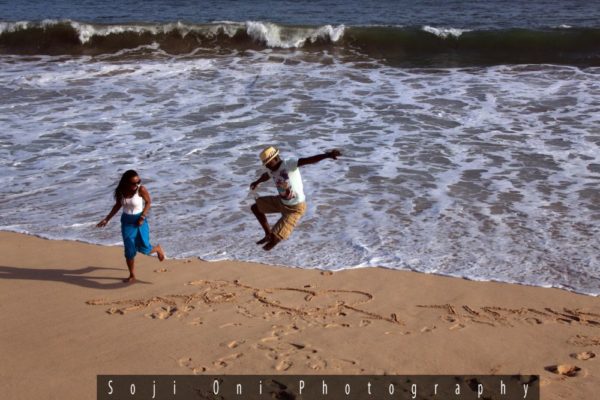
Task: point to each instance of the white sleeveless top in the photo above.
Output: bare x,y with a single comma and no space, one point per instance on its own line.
134,205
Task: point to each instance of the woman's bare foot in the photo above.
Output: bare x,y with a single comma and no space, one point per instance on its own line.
160,253
131,279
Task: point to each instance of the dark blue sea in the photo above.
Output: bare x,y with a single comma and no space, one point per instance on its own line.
463,14
469,129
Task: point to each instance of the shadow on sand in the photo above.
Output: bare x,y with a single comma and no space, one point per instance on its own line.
77,277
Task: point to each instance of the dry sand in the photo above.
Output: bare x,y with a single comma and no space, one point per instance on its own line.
67,317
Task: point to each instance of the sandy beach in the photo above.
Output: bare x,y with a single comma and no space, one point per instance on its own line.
67,317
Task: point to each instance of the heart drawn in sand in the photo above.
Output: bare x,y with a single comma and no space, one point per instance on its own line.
311,302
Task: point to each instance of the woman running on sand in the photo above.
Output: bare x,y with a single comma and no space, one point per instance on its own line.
135,200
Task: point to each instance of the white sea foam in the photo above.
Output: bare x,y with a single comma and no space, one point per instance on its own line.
273,35
487,173
13,26
444,32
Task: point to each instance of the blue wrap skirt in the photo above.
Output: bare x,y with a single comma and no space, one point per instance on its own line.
135,238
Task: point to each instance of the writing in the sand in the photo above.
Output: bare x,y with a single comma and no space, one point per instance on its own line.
326,387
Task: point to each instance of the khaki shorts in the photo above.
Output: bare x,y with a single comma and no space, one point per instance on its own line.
290,214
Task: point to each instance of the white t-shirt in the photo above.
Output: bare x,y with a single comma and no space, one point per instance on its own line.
288,182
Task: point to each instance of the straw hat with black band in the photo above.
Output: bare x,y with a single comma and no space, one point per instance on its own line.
268,154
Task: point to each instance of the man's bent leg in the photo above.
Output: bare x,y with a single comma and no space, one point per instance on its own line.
262,219
266,205
284,227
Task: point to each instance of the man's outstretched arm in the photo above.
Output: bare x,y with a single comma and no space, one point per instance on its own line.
334,154
263,178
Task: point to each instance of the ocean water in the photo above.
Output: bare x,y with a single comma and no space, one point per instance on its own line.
469,130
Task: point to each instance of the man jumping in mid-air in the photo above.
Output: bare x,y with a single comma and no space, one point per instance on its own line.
290,202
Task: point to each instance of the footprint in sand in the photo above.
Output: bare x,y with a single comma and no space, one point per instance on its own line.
187,362
160,270
184,361
564,369
233,344
163,313
586,355
283,365
280,331
258,346
457,326
317,364
270,352
224,362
